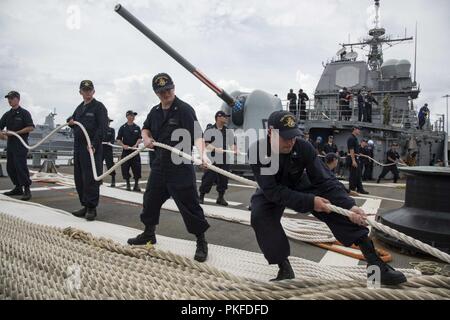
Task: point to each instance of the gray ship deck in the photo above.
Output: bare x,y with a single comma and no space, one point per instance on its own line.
222,233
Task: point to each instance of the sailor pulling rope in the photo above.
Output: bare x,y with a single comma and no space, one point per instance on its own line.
394,233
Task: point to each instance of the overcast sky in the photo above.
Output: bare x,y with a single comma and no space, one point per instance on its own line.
273,45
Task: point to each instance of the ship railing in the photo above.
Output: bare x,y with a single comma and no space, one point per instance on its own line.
439,124
297,111
331,112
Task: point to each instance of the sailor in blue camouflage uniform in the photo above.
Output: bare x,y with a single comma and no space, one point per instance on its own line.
281,187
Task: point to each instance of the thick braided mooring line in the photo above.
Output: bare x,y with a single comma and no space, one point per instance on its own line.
35,263
394,233
398,235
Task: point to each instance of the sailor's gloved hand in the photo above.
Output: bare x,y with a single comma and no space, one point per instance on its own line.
358,216
321,205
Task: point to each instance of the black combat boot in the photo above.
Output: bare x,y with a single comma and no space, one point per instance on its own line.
113,181
91,214
201,200
147,236
221,201
80,213
285,272
128,185
389,276
26,194
363,192
17,191
201,253
136,186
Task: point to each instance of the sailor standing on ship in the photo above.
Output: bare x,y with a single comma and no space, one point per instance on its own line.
292,99
354,163
393,157
168,178
108,155
345,113
129,137
302,98
424,113
368,106
218,138
17,120
361,109
93,115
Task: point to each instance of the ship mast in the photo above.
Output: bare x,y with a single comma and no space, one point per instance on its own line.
378,38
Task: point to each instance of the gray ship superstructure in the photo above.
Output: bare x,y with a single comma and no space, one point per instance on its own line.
394,119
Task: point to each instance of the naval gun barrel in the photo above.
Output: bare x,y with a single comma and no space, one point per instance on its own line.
222,94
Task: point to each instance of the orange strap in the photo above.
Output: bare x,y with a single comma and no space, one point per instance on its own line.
340,248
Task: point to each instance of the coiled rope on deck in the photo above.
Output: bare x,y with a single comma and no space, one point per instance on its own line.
37,262
394,233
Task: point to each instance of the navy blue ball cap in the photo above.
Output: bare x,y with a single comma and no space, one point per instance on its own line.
162,82
221,114
285,123
12,94
86,85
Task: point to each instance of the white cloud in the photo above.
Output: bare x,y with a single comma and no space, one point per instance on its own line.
232,85
306,81
133,92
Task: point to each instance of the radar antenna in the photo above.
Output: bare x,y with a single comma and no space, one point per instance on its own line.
376,41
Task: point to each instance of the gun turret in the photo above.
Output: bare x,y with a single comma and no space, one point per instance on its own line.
222,94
